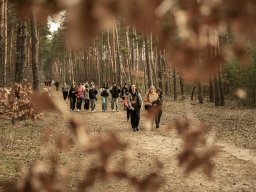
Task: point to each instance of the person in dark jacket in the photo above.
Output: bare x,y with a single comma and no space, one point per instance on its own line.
124,91
104,95
57,83
124,94
134,104
92,95
86,97
72,97
115,91
159,106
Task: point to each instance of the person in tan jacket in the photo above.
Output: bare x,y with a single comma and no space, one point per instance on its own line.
151,98
150,103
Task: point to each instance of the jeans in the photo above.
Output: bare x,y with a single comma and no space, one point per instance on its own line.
86,104
72,103
114,102
128,113
65,94
158,117
93,105
79,103
104,103
135,118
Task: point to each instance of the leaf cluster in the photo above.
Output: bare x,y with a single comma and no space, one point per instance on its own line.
196,151
183,28
16,103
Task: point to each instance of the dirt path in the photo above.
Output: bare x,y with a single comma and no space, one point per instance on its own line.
235,167
239,153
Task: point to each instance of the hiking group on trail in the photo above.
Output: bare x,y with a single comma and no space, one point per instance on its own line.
86,93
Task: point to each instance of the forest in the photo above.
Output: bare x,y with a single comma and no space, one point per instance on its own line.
201,54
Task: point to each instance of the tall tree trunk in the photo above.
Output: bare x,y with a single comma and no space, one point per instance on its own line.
211,91
3,40
200,95
115,76
216,92
129,58
192,93
181,87
174,85
148,66
167,83
133,55
110,58
10,57
160,70
20,52
34,51
222,98
118,58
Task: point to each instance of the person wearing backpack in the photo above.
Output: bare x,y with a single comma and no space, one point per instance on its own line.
104,94
134,104
115,91
124,93
92,95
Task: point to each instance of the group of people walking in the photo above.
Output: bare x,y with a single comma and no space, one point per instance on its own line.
79,93
132,100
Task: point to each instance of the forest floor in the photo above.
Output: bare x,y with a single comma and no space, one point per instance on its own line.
234,130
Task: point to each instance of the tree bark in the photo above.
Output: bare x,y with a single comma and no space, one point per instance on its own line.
222,98
160,70
211,91
174,85
20,52
148,66
118,58
34,51
181,88
3,40
216,92
192,93
200,95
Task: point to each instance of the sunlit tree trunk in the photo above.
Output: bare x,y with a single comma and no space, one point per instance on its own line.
118,57
11,52
3,40
130,55
148,66
160,70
